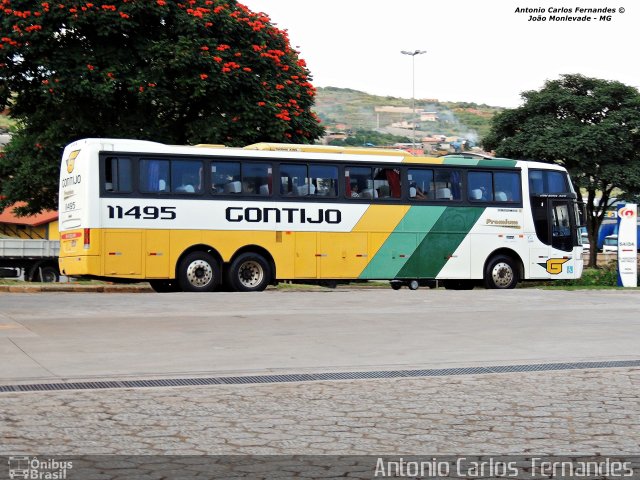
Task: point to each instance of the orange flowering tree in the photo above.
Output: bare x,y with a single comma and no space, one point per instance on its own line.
181,72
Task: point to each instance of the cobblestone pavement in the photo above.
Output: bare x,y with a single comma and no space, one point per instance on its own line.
564,412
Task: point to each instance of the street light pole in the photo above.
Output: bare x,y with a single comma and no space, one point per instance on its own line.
413,88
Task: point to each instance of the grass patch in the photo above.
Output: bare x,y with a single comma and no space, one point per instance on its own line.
601,278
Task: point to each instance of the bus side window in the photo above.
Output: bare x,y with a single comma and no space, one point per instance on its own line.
420,184
225,178
386,183
186,176
294,180
480,186
154,176
257,179
507,185
447,184
325,180
118,175
359,182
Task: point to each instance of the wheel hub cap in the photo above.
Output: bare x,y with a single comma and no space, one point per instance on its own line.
502,274
250,274
199,273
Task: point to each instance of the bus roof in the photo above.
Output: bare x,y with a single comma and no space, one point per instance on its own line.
292,147
315,152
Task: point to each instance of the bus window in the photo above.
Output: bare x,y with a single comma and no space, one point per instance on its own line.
186,176
547,181
358,182
117,175
256,178
420,184
294,180
325,179
154,176
386,183
480,186
447,184
225,178
507,186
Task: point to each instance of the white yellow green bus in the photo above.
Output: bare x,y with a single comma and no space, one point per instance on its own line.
208,217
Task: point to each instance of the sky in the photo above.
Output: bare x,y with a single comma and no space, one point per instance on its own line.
477,51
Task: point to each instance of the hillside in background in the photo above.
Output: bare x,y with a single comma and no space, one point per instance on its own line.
350,117
344,112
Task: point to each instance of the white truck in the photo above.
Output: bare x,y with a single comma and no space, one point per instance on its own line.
36,260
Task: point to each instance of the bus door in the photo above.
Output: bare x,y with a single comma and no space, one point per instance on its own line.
555,224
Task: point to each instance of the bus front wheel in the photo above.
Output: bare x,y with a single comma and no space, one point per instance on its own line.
198,272
501,273
250,272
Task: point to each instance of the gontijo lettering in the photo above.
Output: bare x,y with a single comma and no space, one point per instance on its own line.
283,215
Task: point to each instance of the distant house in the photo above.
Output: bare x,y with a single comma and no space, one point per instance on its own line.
392,109
41,226
428,116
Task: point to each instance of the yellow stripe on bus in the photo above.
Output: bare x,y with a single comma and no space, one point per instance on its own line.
424,160
380,221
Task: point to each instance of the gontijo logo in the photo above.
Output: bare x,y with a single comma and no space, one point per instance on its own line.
554,265
626,212
71,160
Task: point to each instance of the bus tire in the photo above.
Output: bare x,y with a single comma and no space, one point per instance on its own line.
396,284
501,273
198,272
249,272
164,286
414,284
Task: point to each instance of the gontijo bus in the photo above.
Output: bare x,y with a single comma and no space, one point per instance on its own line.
201,218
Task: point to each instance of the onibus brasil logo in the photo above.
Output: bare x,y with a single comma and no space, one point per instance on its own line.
34,468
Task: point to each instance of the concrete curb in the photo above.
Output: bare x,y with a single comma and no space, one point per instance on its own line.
77,288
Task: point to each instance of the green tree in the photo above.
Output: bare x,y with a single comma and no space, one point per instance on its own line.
199,71
588,125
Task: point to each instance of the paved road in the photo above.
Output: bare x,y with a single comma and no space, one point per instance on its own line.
65,335
571,412
55,337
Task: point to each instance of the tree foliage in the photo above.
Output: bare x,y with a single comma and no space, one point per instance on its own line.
590,126
198,71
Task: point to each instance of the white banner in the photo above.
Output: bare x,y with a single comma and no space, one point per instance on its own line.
628,245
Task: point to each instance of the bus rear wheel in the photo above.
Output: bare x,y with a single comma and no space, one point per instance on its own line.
198,272
501,273
249,272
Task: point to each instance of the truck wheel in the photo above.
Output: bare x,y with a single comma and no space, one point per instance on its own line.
198,272
44,273
250,272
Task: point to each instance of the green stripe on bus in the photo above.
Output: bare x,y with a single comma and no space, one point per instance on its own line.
465,162
440,242
402,242
497,163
